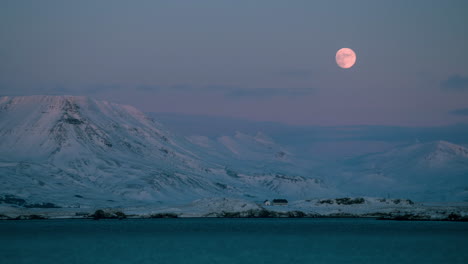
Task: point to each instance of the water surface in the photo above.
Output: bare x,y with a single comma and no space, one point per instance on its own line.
232,241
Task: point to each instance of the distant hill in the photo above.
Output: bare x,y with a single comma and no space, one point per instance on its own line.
433,171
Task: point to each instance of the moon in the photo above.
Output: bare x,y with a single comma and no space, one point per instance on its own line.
345,58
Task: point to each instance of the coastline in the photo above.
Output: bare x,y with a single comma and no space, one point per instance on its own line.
415,213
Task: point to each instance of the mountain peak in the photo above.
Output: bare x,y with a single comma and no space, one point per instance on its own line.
50,124
443,150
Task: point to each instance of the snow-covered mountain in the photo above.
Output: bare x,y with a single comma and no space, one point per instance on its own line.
71,150
358,161
433,171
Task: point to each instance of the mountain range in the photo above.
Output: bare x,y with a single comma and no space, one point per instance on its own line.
78,151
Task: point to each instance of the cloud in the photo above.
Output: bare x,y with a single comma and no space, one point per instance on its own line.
148,88
269,92
98,88
180,88
229,91
295,73
455,83
460,112
87,90
13,90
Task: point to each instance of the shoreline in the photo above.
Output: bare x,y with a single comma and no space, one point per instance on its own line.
410,218
377,208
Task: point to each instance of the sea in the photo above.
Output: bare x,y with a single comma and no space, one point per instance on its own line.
230,240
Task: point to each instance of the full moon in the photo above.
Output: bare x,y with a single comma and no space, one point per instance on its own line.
345,58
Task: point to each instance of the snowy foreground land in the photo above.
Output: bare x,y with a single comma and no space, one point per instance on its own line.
381,208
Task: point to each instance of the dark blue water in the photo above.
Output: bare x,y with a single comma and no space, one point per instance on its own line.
232,241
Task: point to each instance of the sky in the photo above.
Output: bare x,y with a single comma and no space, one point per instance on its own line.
263,60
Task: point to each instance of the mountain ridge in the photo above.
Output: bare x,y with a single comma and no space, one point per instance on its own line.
78,150
60,142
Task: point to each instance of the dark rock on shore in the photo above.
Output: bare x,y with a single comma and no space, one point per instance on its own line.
101,214
4,217
421,217
343,201
29,217
164,215
261,213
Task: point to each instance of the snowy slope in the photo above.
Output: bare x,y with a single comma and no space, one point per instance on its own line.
79,151
257,153
434,171
71,142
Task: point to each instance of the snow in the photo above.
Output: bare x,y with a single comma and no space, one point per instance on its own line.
72,151
56,147
434,171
